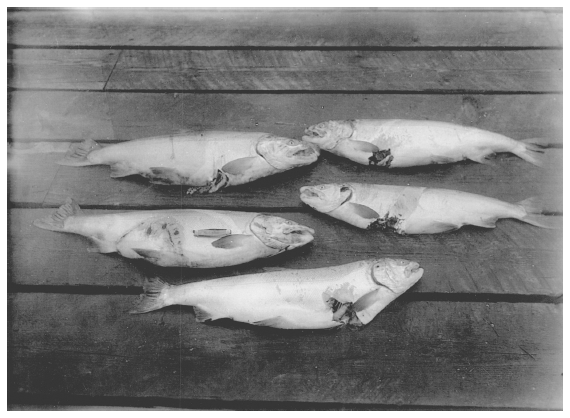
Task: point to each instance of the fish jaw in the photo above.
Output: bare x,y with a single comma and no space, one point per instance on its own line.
397,275
328,134
281,234
325,197
285,153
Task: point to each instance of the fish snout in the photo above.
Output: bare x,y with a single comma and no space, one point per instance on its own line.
411,268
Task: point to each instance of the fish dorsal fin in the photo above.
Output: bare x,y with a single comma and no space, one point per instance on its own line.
362,211
364,146
212,232
240,166
162,258
232,241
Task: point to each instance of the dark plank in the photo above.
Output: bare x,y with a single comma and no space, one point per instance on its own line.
414,354
266,70
37,179
46,115
60,69
287,28
513,259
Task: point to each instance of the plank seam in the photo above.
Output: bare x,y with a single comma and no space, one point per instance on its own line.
97,290
64,399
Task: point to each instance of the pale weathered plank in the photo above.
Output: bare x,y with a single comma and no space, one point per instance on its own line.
286,28
269,70
415,354
46,115
513,259
37,179
60,69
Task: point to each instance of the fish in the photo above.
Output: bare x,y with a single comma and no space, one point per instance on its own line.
320,298
395,143
417,210
207,161
182,237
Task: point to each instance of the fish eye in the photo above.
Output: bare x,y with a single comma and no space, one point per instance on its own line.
321,125
291,142
321,187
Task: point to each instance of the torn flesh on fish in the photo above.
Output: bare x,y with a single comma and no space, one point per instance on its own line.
185,237
417,210
406,143
207,161
350,294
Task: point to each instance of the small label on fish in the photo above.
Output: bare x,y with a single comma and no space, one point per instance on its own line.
211,232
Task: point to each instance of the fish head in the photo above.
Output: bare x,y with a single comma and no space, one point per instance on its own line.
286,153
325,197
280,233
396,274
327,134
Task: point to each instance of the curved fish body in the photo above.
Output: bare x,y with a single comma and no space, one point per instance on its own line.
208,160
183,238
416,210
396,143
350,294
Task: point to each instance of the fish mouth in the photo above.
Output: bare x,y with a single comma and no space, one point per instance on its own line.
306,151
413,269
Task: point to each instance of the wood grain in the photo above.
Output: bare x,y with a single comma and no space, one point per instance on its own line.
287,28
270,70
47,115
511,180
513,259
415,354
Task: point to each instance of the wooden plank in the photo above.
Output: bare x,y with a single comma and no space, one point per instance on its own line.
513,259
37,179
285,28
416,354
270,70
46,115
60,69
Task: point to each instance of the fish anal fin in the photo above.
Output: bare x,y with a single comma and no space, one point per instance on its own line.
101,246
202,315
483,159
240,166
121,170
362,211
277,322
433,227
162,258
165,175
232,241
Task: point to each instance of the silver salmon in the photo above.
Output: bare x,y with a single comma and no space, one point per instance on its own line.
351,294
416,210
209,160
184,237
406,143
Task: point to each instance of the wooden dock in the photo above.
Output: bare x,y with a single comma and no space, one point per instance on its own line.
481,330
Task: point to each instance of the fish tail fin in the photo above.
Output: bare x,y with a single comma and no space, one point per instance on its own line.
77,154
532,150
154,296
534,208
56,221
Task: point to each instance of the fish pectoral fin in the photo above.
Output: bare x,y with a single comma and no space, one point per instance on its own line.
365,301
121,170
442,159
362,211
240,166
232,241
162,258
101,246
277,322
212,232
364,146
